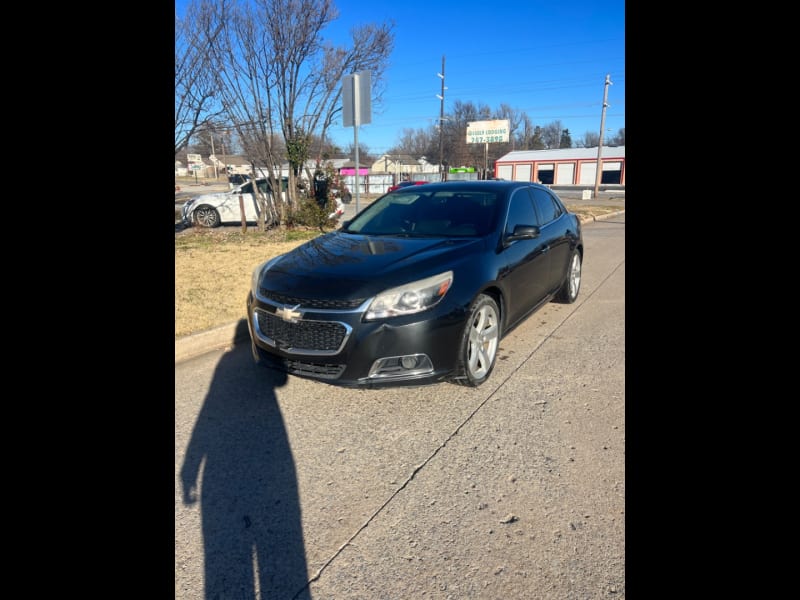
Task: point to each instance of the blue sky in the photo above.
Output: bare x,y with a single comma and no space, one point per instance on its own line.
547,59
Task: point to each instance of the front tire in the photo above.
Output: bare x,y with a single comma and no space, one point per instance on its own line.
206,216
479,343
568,291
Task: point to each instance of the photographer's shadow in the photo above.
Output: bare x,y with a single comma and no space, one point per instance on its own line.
252,533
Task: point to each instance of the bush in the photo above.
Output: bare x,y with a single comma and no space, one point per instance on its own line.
314,214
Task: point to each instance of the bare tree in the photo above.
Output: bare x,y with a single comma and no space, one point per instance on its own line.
530,136
418,142
591,139
241,73
311,83
196,98
551,134
278,79
364,154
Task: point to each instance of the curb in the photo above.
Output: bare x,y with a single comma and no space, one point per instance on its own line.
231,334
224,336
589,219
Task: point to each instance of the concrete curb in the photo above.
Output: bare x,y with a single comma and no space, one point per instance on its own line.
589,219
224,336
231,334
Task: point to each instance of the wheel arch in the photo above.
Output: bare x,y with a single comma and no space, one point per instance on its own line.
497,295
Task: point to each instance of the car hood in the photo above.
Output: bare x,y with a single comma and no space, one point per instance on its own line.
340,265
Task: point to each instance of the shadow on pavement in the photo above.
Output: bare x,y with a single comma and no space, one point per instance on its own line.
252,533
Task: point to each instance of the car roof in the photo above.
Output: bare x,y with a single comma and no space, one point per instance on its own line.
481,184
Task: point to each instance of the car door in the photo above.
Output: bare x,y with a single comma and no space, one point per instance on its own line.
230,211
526,270
555,232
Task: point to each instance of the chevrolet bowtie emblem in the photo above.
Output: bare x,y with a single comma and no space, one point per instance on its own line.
288,313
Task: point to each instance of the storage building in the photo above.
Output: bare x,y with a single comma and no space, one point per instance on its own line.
564,166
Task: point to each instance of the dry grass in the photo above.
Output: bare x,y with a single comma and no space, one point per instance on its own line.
213,268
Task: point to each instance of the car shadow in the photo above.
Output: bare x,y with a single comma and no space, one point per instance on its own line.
240,453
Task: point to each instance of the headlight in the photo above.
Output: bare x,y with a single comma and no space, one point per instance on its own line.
186,206
410,298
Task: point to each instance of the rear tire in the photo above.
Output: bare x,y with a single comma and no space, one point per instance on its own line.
479,343
568,291
206,216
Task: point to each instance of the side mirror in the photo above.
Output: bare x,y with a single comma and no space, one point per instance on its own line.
522,232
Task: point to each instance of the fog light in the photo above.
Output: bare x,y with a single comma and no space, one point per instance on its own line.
408,362
401,366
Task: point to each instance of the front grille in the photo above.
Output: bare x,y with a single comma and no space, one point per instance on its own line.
320,303
314,336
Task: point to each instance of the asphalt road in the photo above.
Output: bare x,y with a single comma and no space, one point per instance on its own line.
288,488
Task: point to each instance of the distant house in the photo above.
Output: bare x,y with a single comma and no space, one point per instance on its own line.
402,164
180,169
219,165
195,168
231,164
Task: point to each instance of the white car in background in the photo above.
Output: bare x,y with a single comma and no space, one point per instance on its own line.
215,209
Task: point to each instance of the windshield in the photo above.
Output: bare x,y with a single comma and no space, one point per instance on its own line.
412,212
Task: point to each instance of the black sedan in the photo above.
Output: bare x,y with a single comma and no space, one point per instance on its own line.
419,287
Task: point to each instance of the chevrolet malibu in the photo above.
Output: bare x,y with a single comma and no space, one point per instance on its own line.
419,287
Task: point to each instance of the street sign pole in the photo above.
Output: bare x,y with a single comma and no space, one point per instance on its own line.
356,109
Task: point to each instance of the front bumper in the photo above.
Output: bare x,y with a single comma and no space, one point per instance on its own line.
186,213
337,347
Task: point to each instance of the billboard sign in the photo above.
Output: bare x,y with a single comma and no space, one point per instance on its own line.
484,132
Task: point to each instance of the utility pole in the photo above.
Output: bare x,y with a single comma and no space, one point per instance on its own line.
599,173
441,124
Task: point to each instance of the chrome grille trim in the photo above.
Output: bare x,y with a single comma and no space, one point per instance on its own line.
306,336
